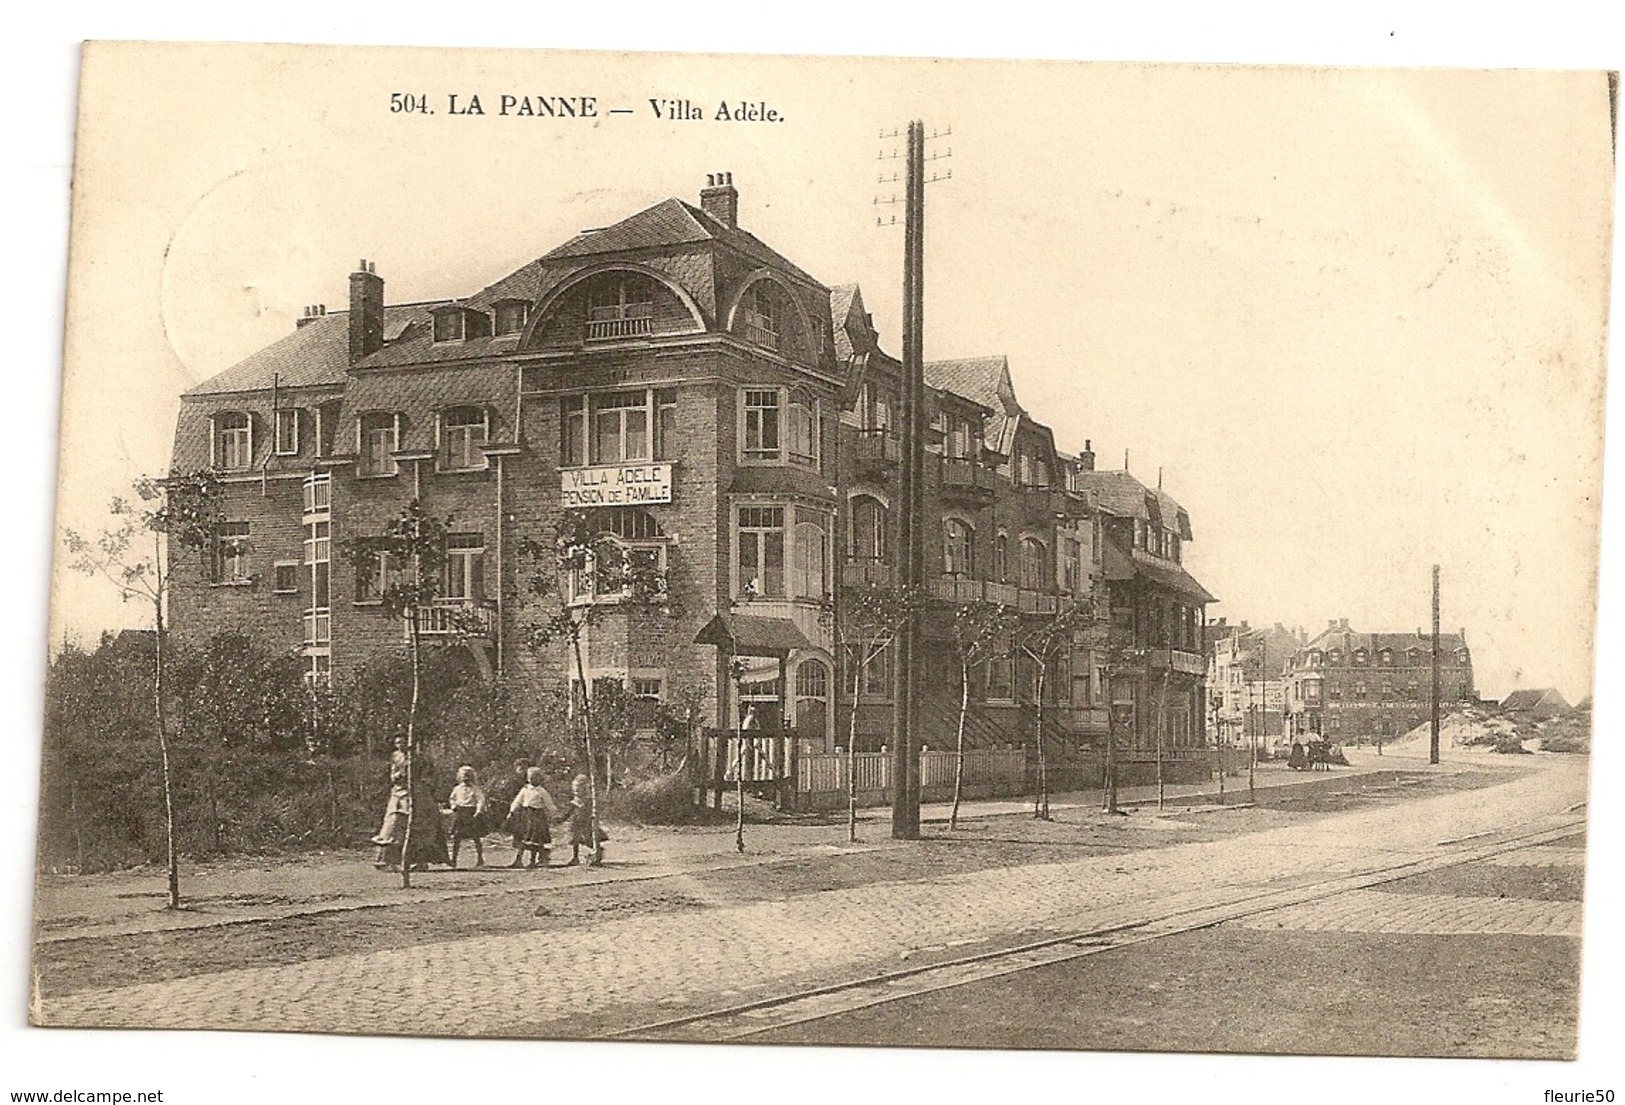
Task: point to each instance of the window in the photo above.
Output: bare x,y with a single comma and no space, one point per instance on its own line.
511,316
573,431
1001,558
619,306
666,424
462,431
759,315
457,323
287,432
957,548
318,493
630,539
319,671
646,689
234,440
762,424
285,577
1386,657
378,436
874,407
1413,656
761,549
1359,689
811,579
465,567
1361,656
1034,565
375,575
1140,530
318,557
620,427
1334,690
876,675
868,533
1001,679
961,434
1072,566
803,429
1335,656
1311,692
231,552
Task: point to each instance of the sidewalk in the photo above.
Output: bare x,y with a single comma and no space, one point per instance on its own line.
237,891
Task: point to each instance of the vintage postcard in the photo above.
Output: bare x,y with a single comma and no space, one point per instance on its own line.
866,552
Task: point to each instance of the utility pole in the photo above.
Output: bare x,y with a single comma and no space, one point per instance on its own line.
1433,729
905,809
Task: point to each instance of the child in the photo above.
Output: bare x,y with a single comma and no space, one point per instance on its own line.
467,804
532,812
580,818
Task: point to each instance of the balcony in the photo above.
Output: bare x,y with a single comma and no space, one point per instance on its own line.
866,572
1178,660
630,320
757,329
1036,602
876,449
449,617
1002,594
967,480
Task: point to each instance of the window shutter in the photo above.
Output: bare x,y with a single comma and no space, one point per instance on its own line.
214,441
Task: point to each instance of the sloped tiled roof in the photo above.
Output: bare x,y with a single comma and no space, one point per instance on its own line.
986,381
671,222
1348,640
1530,699
1121,565
1119,493
314,355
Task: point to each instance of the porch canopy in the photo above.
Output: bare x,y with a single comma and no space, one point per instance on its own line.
753,635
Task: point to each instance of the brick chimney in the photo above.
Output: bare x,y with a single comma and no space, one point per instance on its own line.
720,199
366,311
1086,459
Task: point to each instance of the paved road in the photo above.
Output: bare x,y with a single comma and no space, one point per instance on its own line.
629,970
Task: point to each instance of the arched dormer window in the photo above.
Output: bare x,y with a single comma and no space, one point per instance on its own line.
1335,656
233,441
1413,656
462,431
378,436
1386,657
958,548
1361,656
868,532
1034,577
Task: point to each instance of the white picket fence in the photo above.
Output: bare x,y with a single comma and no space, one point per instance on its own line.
823,773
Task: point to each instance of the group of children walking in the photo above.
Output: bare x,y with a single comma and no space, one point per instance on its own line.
532,813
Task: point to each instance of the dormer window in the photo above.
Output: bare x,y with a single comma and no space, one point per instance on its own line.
287,432
460,323
1361,656
619,307
1386,657
462,431
233,440
378,436
511,315
1335,656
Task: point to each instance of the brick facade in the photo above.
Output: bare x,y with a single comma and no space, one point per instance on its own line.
670,338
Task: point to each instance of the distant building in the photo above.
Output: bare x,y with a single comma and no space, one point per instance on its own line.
1246,691
1347,686
1541,702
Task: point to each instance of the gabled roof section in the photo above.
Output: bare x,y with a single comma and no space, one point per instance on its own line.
1532,699
850,321
986,381
316,354
1122,495
1348,640
671,222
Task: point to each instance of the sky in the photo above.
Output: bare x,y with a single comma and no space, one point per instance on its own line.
1352,319
1235,462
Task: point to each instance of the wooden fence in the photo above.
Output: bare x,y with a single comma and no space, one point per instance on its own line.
821,778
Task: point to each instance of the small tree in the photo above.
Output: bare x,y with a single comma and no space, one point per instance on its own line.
411,555
981,632
570,578
1046,640
869,622
181,513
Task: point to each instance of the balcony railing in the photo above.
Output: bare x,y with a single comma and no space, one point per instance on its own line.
621,321
1002,594
1036,602
456,616
1173,659
876,447
867,572
758,329
963,476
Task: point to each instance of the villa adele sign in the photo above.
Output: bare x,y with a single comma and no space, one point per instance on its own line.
615,485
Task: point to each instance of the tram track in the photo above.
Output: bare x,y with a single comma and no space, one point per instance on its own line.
746,1019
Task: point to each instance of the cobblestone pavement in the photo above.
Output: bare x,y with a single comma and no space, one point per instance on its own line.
541,983
1425,914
